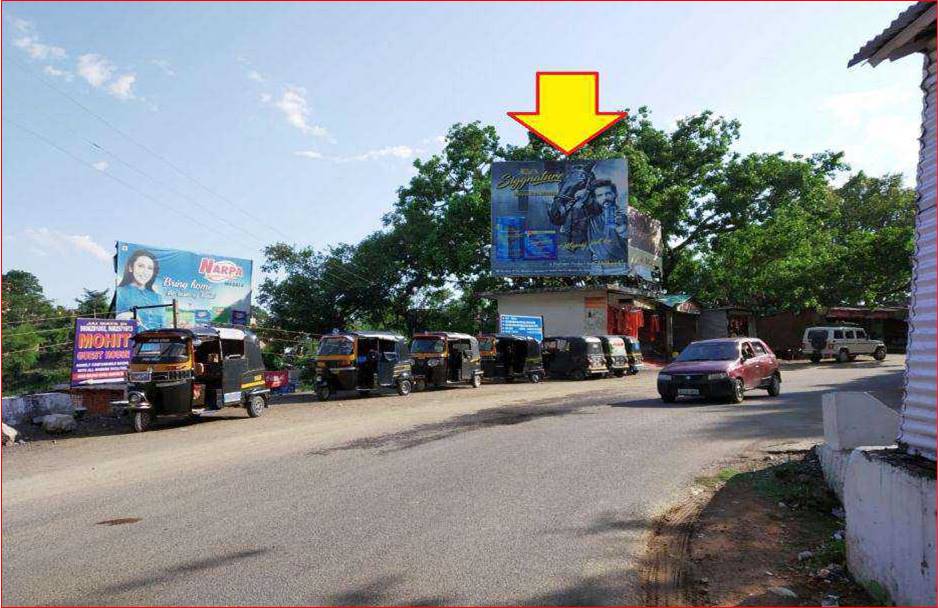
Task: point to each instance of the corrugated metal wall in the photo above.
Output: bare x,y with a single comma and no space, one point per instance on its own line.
918,423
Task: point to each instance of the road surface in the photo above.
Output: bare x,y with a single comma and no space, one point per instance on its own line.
509,494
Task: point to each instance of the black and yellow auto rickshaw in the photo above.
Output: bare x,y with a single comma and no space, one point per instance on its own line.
364,361
614,351
575,357
507,357
176,372
633,354
442,358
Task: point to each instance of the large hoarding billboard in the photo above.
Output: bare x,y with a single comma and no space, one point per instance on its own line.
560,218
102,350
208,288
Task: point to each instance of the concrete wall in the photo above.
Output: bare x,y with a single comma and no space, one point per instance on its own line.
563,313
17,410
890,506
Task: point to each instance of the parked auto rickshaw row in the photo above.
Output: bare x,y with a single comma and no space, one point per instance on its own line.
369,361
177,372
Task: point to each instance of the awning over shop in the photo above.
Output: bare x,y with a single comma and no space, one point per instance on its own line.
681,303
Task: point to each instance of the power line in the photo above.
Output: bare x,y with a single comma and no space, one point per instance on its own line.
170,164
39,348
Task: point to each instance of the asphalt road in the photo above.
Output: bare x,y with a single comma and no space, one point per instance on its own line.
509,494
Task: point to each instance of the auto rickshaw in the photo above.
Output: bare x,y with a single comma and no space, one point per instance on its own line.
575,357
507,357
364,361
633,354
614,351
177,372
442,358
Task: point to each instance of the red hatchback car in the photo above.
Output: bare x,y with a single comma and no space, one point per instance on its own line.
726,367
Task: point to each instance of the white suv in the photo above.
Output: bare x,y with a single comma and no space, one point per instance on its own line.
844,343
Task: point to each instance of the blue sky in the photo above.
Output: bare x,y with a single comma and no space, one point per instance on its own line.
309,115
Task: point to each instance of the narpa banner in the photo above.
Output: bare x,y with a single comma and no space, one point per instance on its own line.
102,350
208,288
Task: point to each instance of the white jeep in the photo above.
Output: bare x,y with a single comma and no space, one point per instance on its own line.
843,342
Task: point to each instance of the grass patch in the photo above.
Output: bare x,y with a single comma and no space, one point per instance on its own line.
830,552
879,594
725,475
797,485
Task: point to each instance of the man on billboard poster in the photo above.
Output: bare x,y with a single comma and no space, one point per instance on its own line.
573,208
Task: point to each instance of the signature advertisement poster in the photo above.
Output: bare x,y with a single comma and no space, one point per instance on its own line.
560,218
208,288
645,245
102,350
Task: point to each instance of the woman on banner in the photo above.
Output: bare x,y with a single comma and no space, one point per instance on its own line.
136,289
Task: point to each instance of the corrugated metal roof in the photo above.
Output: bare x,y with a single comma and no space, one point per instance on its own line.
630,291
902,21
918,417
673,300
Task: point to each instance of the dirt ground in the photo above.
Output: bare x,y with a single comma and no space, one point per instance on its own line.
764,531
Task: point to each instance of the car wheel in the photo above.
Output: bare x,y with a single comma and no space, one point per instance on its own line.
578,374
737,396
534,377
404,388
880,354
477,380
364,392
142,421
815,358
669,397
774,385
323,392
843,356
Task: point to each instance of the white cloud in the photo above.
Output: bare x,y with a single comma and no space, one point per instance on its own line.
95,69
266,98
122,86
404,152
54,241
57,73
101,165
256,76
39,50
295,108
308,154
21,24
164,66
881,127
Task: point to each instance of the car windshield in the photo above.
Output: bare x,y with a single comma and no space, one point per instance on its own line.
165,350
427,345
715,351
335,346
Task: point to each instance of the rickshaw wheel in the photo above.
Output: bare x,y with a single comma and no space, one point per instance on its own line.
255,406
477,380
404,388
142,421
420,385
323,392
579,375
534,377
619,373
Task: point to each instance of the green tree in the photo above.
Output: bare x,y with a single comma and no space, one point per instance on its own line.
93,303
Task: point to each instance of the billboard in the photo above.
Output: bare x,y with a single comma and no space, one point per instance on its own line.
102,350
208,288
521,325
560,218
645,245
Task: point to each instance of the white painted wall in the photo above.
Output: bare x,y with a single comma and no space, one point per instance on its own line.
563,313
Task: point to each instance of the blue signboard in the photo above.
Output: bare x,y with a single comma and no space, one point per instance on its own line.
521,325
208,288
560,218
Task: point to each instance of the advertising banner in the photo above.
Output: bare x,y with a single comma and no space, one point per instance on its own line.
102,350
521,325
560,218
645,245
208,288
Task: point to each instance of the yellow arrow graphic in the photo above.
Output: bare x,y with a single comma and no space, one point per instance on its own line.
567,112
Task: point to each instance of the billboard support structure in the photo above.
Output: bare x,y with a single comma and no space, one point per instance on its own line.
174,306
